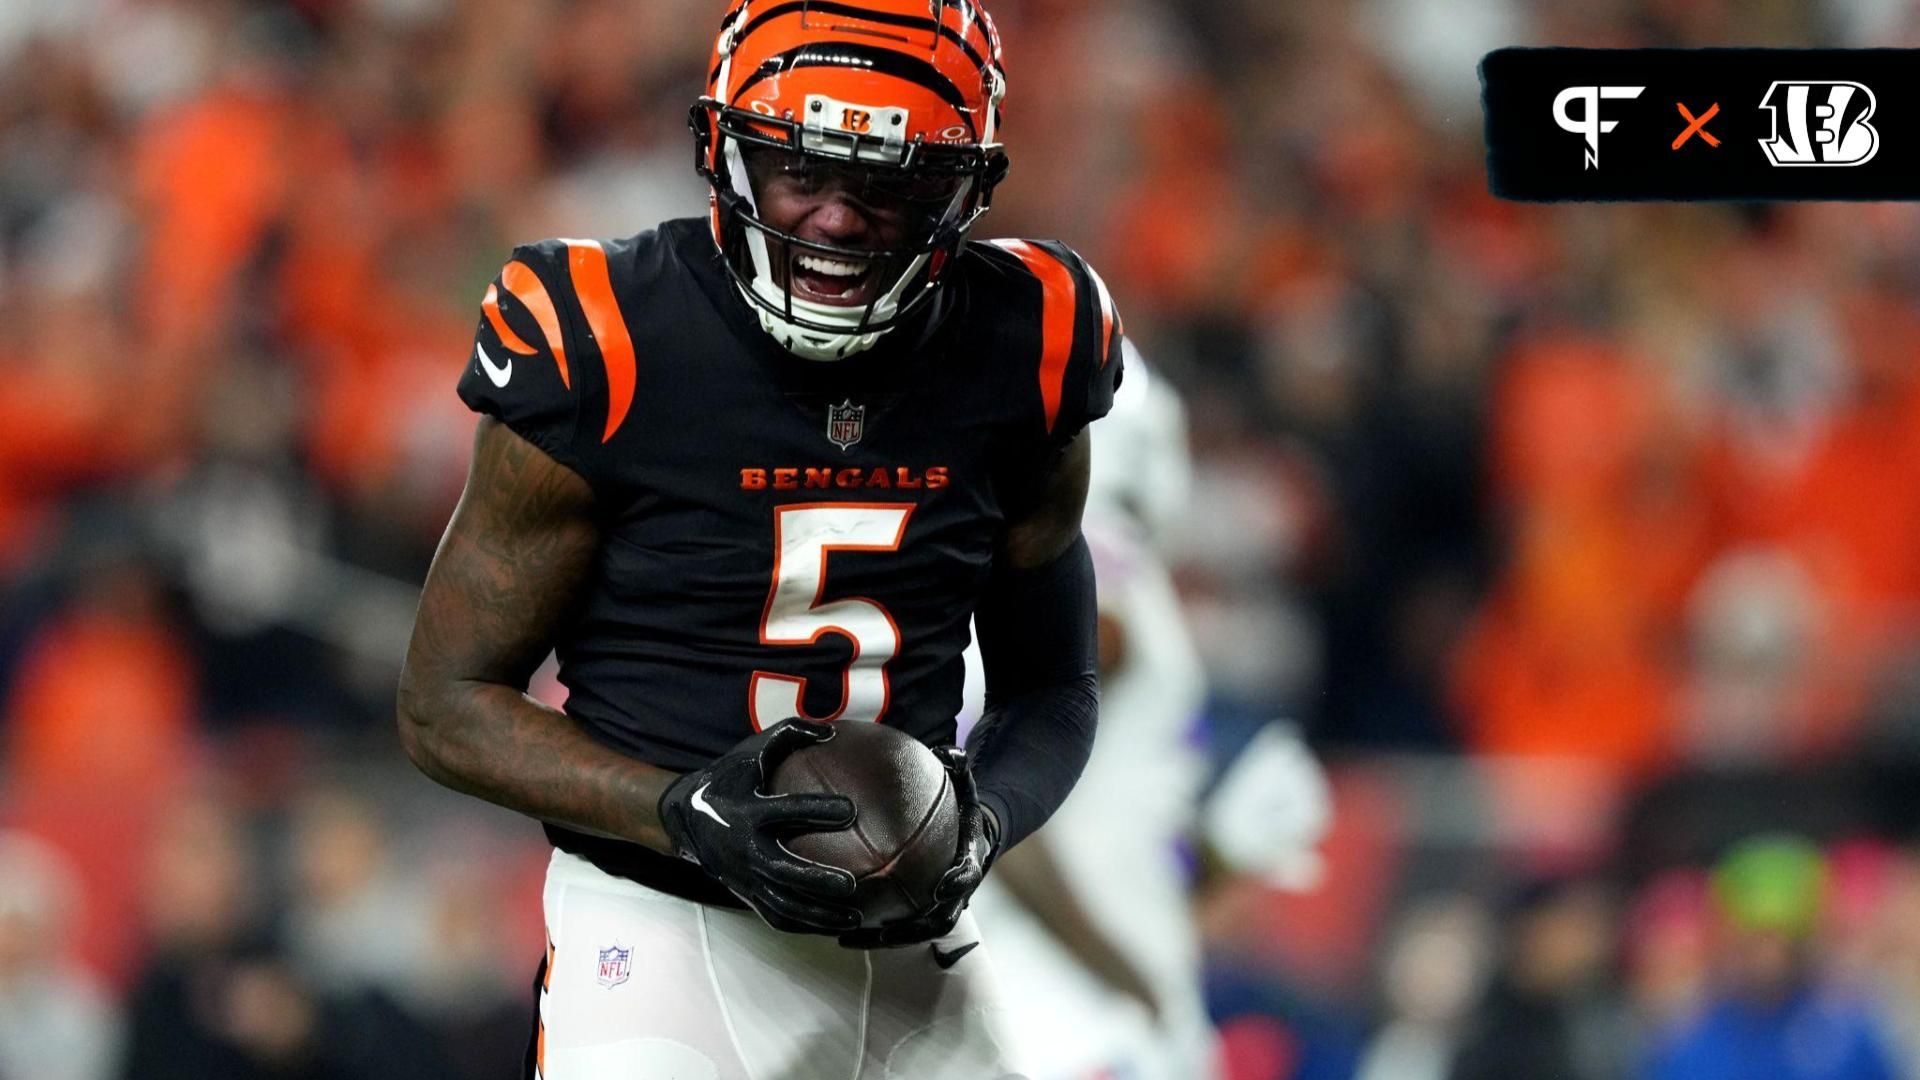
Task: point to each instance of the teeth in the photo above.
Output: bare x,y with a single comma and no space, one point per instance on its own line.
832,267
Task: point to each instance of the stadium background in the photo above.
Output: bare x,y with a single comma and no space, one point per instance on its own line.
1583,541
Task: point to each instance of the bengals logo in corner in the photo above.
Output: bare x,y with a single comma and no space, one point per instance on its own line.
1820,123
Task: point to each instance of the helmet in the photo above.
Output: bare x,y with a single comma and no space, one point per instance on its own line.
896,101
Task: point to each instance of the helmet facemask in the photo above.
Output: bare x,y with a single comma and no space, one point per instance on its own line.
821,300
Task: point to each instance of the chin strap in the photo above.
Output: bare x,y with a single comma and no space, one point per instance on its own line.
804,343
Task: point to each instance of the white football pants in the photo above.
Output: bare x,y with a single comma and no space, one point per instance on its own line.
641,985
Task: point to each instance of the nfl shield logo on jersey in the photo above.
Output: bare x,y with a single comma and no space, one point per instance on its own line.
846,422
616,964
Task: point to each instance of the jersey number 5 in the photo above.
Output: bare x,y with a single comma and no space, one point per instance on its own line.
804,535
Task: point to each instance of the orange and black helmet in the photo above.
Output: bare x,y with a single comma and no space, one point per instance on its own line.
906,93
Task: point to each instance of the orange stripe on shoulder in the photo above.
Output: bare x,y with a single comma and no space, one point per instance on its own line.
491,305
525,286
1057,306
593,285
1109,318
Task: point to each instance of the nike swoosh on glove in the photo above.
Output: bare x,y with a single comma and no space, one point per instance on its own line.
722,817
971,856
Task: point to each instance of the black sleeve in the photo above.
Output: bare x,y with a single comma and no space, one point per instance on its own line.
518,370
1040,649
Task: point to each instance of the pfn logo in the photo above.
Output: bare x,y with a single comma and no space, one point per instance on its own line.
1588,124
1826,124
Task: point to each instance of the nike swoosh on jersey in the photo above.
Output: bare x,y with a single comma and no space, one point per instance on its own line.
701,804
499,373
948,959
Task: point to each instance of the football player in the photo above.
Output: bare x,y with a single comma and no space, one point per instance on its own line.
750,476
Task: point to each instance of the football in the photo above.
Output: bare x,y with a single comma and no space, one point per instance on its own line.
908,826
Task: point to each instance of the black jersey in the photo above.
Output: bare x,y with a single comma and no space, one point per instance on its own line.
783,536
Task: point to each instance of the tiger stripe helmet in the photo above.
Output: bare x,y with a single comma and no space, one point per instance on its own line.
908,90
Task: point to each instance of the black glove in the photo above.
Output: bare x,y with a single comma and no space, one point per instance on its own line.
971,858
722,818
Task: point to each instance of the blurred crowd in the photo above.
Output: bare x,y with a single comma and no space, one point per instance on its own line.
1582,541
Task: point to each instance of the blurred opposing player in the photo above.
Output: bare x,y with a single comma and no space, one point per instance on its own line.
1093,931
751,473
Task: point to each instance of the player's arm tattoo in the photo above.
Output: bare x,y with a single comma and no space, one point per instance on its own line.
512,564
1041,534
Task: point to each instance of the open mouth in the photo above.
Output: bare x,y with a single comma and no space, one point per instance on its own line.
841,282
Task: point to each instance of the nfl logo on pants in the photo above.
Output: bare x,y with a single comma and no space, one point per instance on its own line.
616,964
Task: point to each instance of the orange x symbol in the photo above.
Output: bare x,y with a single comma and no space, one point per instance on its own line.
1697,125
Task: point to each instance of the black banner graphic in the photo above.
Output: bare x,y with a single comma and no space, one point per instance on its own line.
1732,124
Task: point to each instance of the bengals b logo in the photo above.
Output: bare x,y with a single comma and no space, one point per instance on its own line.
858,121
1820,123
